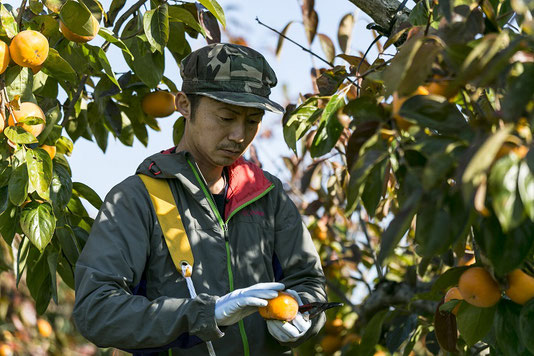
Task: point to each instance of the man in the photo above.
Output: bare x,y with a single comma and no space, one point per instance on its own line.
246,236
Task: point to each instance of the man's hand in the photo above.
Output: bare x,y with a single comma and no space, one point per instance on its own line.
291,331
240,303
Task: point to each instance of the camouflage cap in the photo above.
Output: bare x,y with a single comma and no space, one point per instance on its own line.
232,74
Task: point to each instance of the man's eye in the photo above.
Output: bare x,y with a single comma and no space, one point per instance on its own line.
254,122
225,118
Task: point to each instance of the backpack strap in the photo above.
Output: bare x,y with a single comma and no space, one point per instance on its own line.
170,221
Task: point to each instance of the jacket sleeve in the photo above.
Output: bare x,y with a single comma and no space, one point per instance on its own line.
112,263
298,257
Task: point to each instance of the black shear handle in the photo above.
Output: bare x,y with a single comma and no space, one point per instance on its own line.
316,308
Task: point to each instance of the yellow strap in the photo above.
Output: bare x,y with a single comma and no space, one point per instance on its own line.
170,220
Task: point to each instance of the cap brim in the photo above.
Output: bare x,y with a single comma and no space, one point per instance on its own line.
244,99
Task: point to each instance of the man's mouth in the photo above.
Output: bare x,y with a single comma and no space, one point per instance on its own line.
231,151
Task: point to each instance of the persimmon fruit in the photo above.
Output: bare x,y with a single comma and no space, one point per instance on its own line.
159,103
71,36
28,109
283,307
5,58
478,288
520,286
29,48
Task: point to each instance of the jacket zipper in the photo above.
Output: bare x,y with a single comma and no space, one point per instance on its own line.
224,227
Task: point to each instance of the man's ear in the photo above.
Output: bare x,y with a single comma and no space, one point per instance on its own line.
183,105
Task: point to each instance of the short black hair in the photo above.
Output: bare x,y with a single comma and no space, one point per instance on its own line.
194,99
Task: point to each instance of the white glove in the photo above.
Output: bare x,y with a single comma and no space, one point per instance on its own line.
240,303
285,331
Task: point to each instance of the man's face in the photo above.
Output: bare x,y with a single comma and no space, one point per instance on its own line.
219,133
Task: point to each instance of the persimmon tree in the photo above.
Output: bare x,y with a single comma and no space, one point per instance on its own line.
75,92
415,164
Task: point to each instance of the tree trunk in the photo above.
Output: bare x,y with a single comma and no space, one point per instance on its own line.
382,12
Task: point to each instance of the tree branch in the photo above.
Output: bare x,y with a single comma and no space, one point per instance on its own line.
125,16
382,12
21,11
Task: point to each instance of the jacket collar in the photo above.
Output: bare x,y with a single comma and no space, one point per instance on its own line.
246,180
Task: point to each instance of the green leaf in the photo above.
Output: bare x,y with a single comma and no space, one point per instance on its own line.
53,115
9,26
506,251
64,145
503,190
54,5
9,222
39,281
99,53
19,82
156,25
108,36
520,92
474,323
396,72
371,334
372,191
419,14
83,191
398,226
526,325
31,120
506,326
432,232
60,187
65,270
69,244
359,173
477,167
178,13
77,18
52,258
4,199
170,84
526,187
38,223
216,9
18,185
434,112
36,7
177,43
178,130
299,121
329,128
18,135
22,257
114,9
436,169
59,68
39,172
147,66
97,126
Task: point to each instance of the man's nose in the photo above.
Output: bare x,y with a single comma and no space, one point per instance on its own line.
238,133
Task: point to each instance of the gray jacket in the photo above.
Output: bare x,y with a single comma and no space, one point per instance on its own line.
261,239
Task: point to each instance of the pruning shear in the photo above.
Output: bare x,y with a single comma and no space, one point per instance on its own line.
316,308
